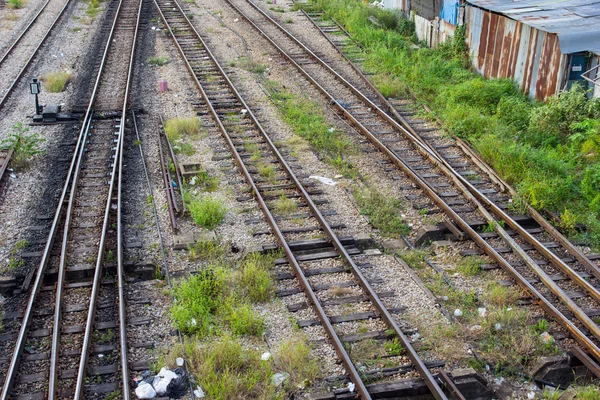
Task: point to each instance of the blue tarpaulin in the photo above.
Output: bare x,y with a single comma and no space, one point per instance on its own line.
449,12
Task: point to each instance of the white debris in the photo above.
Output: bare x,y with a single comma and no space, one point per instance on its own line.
415,337
162,380
498,326
458,313
236,20
351,387
199,393
322,179
265,356
179,362
145,391
278,378
482,311
331,130
546,337
531,395
244,111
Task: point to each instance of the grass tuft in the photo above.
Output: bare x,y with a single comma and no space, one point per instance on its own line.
55,82
384,212
206,211
176,128
158,61
285,206
15,4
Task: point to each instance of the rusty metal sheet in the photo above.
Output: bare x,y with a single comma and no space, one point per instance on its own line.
576,22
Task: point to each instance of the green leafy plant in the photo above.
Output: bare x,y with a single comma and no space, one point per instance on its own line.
158,61
23,145
15,4
384,212
206,211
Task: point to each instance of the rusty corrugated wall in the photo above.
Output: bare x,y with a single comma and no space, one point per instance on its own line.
504,48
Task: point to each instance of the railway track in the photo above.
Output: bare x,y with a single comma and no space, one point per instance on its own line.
17,58
561,279
242,131
85,238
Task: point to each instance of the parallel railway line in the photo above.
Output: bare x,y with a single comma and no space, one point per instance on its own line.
17,58
558,276
53,343
242,130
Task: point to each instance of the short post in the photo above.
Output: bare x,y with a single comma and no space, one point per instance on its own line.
34,88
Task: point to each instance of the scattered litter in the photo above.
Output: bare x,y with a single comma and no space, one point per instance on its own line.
236,20
322,179
338,176
509,309
331,130
498,326
278,378
304,384
145,391
497,381
174,183
199,393
265,356
193,180
546,337
153,28
351,387
482,311
531,395
458,313
244,111
445,298
13,176
166,383
100,355
179,361
415,336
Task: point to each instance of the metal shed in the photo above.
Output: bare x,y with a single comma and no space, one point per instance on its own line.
544,45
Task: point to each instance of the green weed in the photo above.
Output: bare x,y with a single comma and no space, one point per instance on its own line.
384,212
206,211
55,82
285,206
24,145
470,266
175,128
15,4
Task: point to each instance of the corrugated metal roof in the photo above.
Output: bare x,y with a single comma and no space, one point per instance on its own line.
577,22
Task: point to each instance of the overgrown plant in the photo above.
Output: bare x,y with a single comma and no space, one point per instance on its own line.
55,82
384,211
24,146
206,211
176,128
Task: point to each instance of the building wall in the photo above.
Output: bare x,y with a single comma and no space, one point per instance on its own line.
433,32
503,48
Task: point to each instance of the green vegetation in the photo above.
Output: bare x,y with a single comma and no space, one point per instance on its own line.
285,206
549,152
15,4
93,8
204,181
384,211
206,211
278,9
470,266
206,250
219,298
158,61
308,120
55,82
23,145
176,128
267,171
250,65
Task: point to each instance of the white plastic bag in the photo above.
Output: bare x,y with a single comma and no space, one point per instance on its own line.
145,391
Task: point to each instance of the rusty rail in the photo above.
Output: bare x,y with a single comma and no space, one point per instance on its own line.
464,186
384,313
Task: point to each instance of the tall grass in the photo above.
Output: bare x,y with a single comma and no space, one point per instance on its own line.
176,128
549,152
206,211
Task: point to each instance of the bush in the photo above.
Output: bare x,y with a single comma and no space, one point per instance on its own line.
55,82
207,211
24,146
175,128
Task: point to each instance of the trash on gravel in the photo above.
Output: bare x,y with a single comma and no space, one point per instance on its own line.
351,387
278,378
199,393
145,391
546,337
322,179
265,356
166,383
458,313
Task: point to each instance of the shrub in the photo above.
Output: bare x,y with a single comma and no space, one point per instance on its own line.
24,146
207,211
254,278
242,319
175,128
55,82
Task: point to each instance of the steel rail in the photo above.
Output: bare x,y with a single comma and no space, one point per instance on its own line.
382,310
25,324
553,311
24,32
553,232
431,151
79,387
33,54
